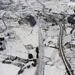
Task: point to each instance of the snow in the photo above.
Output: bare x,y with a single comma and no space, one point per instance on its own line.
31,71
25,34
66,39
53,71
68,30
6,69
26,37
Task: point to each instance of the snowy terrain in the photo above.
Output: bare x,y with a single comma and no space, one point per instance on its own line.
21,24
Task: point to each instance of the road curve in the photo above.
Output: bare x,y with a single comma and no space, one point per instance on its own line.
42,6
9,7
66,63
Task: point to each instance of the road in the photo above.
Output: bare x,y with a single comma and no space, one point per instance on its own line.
66,63
43,6
41,50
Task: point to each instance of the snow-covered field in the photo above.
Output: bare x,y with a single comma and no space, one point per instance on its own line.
20,23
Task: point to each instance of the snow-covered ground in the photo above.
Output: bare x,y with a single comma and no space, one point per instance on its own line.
21,35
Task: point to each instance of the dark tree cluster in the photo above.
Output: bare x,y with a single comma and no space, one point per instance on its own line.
71,19
31,20
51,19
2,39
28,66
37,52
28,18
21,62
